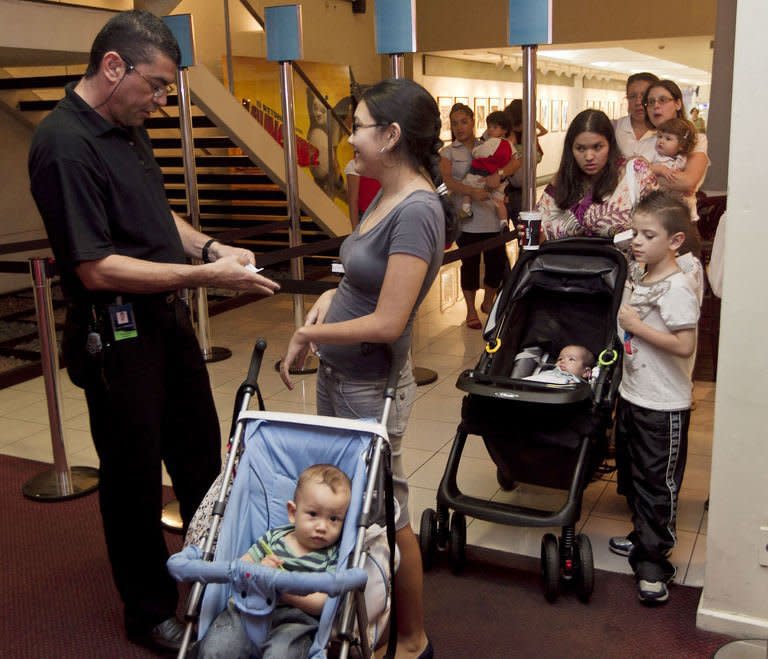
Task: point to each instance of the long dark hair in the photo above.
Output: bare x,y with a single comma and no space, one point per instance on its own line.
137,36
408,104
569,178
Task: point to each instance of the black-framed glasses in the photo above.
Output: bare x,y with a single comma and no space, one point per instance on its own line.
356,127
157,90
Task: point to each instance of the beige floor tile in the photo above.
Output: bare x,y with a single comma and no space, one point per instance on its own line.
436,408
694,575
428,434
14,430
475,477
12,400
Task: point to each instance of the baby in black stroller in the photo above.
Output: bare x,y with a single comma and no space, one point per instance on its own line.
560,300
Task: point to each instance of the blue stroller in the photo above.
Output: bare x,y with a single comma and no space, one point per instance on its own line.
276,448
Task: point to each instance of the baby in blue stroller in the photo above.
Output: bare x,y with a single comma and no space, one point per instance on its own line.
308,544
244,595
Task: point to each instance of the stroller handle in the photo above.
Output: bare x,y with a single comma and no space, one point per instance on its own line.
252,378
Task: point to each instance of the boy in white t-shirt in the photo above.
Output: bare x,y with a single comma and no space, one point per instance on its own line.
658,320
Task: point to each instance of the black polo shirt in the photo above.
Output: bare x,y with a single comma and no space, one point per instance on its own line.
99,191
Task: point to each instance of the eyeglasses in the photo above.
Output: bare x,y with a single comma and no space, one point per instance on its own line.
157,90
661,100
356,127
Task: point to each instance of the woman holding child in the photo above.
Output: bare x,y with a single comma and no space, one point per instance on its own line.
390,261
594,190
483,223
663,102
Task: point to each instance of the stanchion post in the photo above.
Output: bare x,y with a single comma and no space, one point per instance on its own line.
284,45
396,35
529,22
199,295
62,482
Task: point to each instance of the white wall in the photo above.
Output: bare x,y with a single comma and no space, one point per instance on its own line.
735,597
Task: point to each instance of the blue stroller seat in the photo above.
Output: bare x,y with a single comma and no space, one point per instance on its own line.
277,448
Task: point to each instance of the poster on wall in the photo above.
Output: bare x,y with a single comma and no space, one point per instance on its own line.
464,100
444,104
494,104
481,111
555,122
257,85
564,116
507,101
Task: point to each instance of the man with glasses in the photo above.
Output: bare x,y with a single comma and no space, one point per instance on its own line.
128,341
635,136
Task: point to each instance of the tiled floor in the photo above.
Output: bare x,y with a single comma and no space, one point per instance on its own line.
442,343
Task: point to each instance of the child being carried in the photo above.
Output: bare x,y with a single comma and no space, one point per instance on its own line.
489,157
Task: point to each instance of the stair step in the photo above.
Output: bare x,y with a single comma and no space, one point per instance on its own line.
206,161
198,121
221,178
262,192
216,142
38,82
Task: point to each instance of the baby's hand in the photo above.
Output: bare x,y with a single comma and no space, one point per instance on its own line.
270,560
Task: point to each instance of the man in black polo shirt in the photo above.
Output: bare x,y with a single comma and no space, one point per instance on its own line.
128,340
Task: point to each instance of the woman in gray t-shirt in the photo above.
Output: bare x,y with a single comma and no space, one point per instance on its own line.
390,261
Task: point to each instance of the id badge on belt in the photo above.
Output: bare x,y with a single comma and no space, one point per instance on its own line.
123,321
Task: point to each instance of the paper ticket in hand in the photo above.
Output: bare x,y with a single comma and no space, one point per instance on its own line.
253,268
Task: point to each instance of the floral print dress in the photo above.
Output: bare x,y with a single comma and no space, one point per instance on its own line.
611,216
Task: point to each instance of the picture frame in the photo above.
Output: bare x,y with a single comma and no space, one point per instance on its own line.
564,116
444,104
507,101
461,99
481,112
494,104
544,114
555,115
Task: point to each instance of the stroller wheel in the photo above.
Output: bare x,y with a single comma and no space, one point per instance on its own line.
550,567
585,571
428,538
458,542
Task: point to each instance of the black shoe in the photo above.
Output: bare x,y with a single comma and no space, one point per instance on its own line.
164,637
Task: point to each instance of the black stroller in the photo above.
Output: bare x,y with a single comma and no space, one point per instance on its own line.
552,435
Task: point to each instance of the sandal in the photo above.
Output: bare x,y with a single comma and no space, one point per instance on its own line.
474,323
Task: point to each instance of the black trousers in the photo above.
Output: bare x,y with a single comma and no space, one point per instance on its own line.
651,450
495,259
150,402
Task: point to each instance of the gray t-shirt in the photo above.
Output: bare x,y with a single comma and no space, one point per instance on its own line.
416,227
484,218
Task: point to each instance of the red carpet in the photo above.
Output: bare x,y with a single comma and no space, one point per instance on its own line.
57,598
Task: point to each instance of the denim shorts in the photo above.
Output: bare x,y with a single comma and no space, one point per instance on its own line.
339,395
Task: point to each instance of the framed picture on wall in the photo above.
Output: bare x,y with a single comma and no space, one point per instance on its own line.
507,101
564,116
481,111
555,114
494,104
544,114
461,99
444,104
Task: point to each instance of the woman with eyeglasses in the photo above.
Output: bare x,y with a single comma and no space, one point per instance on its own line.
595,189
664,101
390,261
635,134
455,162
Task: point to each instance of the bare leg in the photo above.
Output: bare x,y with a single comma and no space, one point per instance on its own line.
409,591
469,300
490,293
